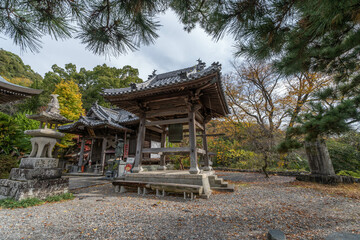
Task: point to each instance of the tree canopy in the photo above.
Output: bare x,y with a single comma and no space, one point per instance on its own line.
90,82
69,99
13,69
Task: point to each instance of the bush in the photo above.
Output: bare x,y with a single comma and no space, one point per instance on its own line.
12,137
11,203
343,156
295,162
7,162
355,174
29,202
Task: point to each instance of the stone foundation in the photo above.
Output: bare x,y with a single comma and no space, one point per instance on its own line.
326,179
35,178
33,188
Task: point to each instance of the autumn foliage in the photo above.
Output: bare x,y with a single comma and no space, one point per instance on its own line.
69,99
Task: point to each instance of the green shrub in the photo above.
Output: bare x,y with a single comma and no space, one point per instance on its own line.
355,174
343,156
295,162
61,197
7,162
29,202
12,137
11,203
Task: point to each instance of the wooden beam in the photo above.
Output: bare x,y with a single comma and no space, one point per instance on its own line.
166,150
207,166
166,112
81,158
139,145
163,145
167,122
194,169
103,149
198,125
155,129
208,135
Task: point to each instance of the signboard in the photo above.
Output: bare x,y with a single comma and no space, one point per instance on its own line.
130,160
129,163
154,144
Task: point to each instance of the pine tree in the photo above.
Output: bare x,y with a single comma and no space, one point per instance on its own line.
105,26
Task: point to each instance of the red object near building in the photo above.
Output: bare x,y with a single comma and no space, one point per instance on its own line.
126,150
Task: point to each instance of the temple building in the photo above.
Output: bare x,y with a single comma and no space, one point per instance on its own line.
11,92
102,128
174,103
165,115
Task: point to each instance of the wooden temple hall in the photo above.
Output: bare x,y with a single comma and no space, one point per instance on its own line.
102,129
171,107
174,104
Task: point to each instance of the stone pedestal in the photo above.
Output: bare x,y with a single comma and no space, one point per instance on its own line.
36,177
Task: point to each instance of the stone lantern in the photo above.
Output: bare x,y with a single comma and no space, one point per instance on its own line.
38,174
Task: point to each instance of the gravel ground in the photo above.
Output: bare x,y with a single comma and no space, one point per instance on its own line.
76,182
257,206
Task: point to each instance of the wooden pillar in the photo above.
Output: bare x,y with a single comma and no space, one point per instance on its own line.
81,158
91,150
194,169
207,166
139,145
162,156
103,155
124,146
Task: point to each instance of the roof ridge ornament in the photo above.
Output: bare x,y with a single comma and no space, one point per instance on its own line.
133,86
96,103
216,64
200,66
153,74
183,75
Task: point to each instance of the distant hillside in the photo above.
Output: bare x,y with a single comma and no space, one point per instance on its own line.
13,69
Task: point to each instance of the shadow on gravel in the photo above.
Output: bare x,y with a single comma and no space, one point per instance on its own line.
253,178
106,190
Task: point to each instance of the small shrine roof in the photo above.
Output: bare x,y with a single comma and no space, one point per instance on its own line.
115,115
49,117
101,117
12,92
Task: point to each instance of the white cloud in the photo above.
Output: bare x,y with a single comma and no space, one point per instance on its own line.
174,49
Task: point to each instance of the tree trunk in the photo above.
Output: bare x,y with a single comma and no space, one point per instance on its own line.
319,158
265,166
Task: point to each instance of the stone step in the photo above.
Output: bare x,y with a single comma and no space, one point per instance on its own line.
3,197
228,188
21,174
4,191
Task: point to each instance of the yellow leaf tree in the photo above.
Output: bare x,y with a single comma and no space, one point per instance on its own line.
69,99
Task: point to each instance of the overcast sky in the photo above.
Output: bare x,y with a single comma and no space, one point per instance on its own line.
174,49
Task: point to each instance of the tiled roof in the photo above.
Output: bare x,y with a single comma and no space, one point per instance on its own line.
12,92
92,123
103,117
114,115
166,79
15,87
